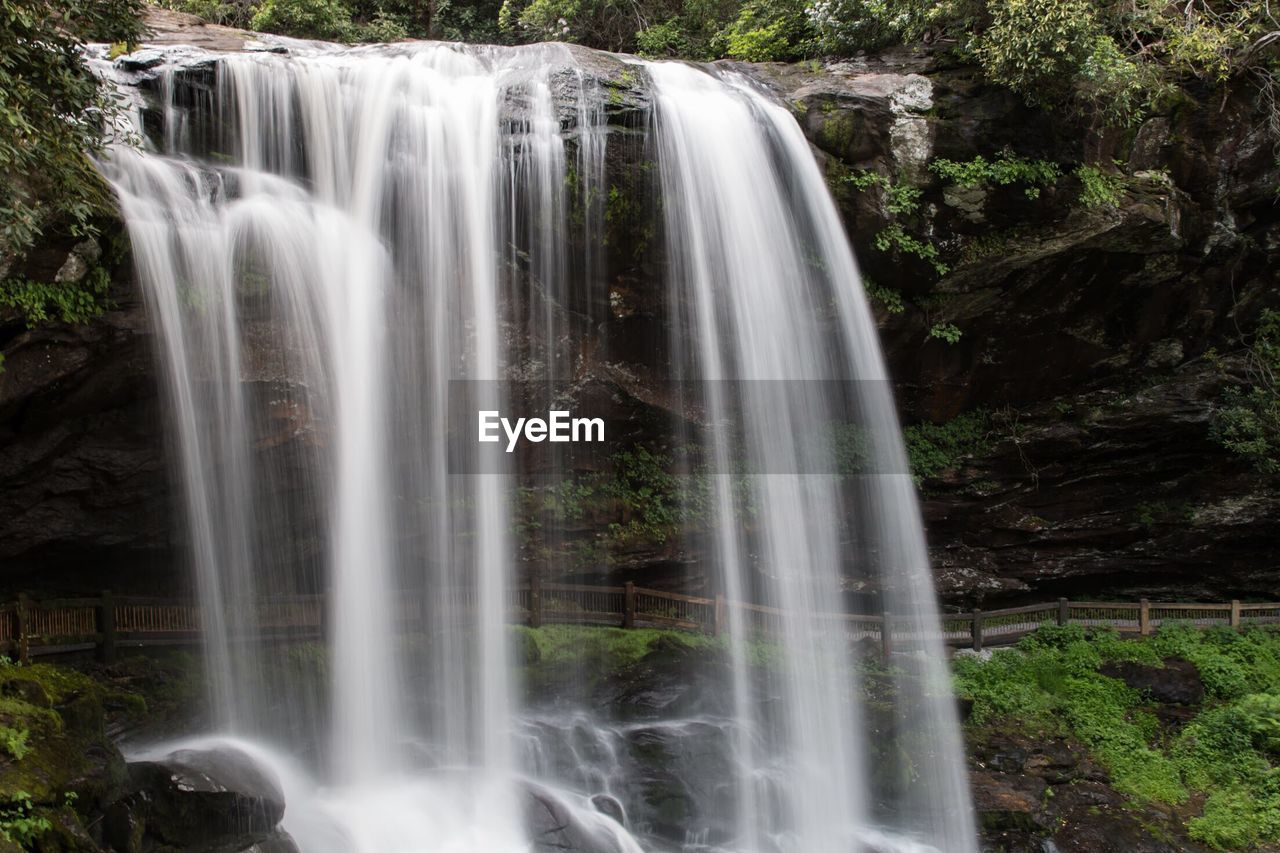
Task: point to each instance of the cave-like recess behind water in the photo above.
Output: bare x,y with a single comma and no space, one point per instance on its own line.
370,224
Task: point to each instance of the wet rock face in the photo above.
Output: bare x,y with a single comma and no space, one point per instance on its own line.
1087,325
84,498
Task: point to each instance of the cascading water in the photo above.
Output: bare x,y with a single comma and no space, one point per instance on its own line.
335,238
758,256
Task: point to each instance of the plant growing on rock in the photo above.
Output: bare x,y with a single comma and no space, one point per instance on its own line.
1099,188
900,201
52,116
934,448
1005,170
18,821
1246,420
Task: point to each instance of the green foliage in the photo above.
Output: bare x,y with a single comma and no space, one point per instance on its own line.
948,332
767,31
1007,169
895,239
1115,87
934,448
13,739
1035,47
1110,62
900,201
645,497
889,298
1050,683
662,40
1246,419
614,647
1260,717
843,27
1099,188
606,24
19,823
66,302
317,19
51,115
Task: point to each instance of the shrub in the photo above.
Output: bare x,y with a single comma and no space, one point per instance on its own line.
13,740
662,40
767,31
900,202
1036,47
312,19
847,26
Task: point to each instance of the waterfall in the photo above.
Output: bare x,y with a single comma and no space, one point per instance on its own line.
329,243
757,255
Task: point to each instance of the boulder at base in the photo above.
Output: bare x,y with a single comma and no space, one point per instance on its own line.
556,824
201,800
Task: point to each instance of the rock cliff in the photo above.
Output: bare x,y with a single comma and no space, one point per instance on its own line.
1085,324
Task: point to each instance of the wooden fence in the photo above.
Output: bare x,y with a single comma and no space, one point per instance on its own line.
30,627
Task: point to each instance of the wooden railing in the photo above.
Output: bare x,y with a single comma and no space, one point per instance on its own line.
31,627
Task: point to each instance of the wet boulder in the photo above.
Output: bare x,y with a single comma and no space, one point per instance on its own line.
555,824
208,799
1004,802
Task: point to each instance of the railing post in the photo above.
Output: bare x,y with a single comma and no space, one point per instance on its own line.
719,625
629,605
1064,611
107,628
886,635
24,625
1235,613
975,629
535,601
1144,617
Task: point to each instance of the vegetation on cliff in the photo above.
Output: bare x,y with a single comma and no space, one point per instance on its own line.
1247,418
1212,752
53,116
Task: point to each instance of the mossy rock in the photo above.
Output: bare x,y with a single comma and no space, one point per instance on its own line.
57,757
